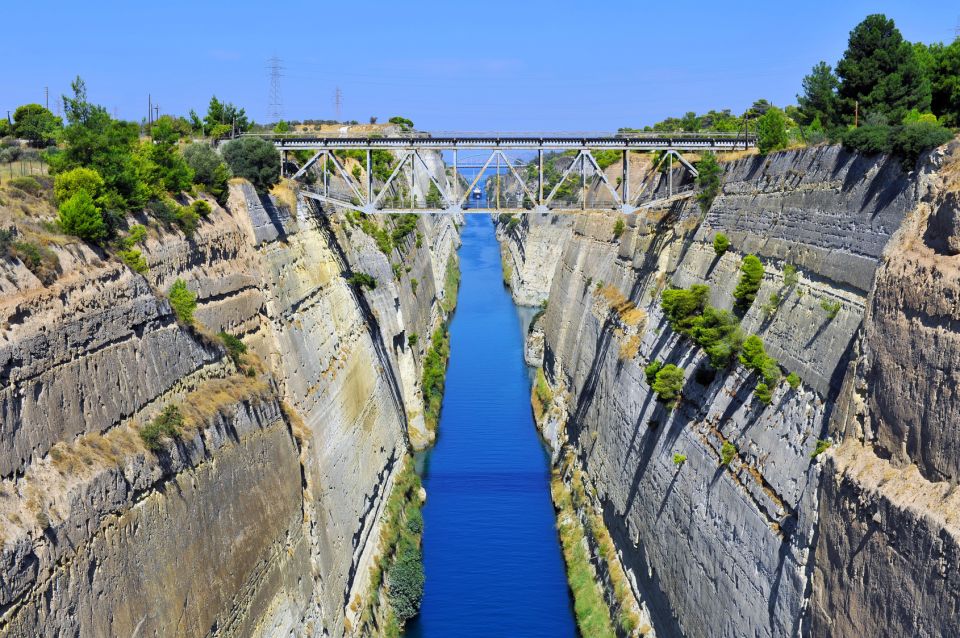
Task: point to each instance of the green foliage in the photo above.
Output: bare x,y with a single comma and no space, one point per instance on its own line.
201,208
27,184
36,124
281,127
165,169
819,99
254,159
412,339
134,259
763,393
167,424
69,183
187,218
793,379
209,169
235,347
682,306
414,284
754,357
402,122
221,119
727,452
907,141
434,199
880,71
718,333
434,376
832,308
708,180
771,306
136,234
668,383
651,371
403,225
451,284
542,389
720,244
406,581
618,227
790,276
772,131
822,446
750,278
80,216
41,261
183,302
941,65
679,459
362,280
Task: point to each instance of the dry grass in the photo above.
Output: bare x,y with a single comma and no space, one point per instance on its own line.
630,348
300,430
732,156
286,194
625,309
200,406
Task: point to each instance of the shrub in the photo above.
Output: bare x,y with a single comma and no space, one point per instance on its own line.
911,140
679,459
412,339
822,445
727,452
405,580
763,394
208,169
720,244
831,308
668,383
134,259
414,284
27,184
868,139
790,276
718,333
80,216
682,305
755,358
187,219
254,159
651,371
135,235
167,424
201,208
751,276
771,306
708,179
362,280
41,261
794,380
182,301
434,376
618,227
235,347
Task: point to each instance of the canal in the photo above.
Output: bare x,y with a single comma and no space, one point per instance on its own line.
492,558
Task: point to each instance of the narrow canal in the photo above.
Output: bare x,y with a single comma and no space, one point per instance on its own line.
491,555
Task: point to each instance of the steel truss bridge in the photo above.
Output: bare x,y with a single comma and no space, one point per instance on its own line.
360,190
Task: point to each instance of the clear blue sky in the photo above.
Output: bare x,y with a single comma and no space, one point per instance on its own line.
448,65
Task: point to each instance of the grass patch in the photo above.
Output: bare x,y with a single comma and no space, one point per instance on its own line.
451,284
542,396
169,424
434,376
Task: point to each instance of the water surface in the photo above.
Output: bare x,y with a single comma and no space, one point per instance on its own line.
491,554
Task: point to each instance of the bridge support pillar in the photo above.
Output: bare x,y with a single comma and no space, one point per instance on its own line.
626,176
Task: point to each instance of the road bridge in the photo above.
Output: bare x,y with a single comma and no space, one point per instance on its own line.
537,191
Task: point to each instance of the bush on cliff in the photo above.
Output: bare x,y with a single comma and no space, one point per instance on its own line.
669,383
651,371
718,333
80,216
682,306
708,179
434,376
182,301
167,424
405,580
720,244
362,280
750,278
254,159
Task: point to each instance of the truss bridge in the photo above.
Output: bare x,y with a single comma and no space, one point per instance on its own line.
514,173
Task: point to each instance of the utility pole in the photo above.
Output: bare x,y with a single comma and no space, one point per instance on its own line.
46,97
337,102
149,109
275,65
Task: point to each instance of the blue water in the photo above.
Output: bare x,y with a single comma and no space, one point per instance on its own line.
491,553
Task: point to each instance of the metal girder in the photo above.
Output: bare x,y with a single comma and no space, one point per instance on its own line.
563,178
603,177
476,179
390,179
307,165
443,191
523,185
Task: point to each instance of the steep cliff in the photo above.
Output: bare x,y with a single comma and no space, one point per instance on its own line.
262,517
720,540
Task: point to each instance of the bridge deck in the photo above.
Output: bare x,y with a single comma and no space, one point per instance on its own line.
639,142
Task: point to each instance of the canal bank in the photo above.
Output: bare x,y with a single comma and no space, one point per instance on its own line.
492,559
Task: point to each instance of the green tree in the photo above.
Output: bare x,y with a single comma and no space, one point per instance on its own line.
880,71
254,159
208,168
669,383
772,131
166,170
224,117
751,275
942,66
405,580
404,123
183,302
720,244
80,216
281,127
69,183
819,99
36,124
708,179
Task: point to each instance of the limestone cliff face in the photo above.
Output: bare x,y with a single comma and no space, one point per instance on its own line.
890,533
728,550
262,518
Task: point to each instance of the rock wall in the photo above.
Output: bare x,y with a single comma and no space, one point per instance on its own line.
285,457
728,550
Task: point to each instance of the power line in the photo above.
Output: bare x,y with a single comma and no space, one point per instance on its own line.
275,65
